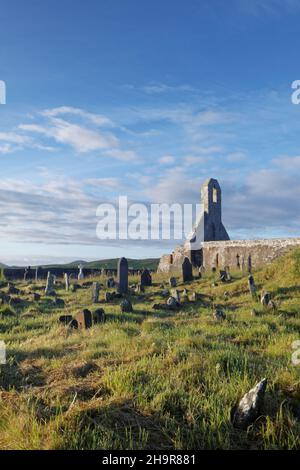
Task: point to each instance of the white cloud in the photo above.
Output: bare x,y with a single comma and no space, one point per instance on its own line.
166,160
80,138
236,157
98,119
288,163
157,88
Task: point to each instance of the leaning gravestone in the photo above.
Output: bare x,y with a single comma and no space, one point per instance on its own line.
146,279
50,284
84,319
187,270
250,406
95,292
123,276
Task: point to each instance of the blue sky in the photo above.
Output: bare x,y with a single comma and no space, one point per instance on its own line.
144,99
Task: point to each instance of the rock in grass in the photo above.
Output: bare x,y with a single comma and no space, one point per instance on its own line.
126,306
173,303
58,302
196,297
265,298
254,313
12,290
250,406
219,315
272,306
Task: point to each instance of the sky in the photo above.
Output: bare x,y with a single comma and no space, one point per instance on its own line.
144,99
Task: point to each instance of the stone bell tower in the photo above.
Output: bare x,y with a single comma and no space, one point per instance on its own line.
211,195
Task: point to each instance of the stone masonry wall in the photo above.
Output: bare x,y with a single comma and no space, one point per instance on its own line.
233,253
261,252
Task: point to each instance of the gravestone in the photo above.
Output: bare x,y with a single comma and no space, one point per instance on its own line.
146,279
110,283
126,306
139,289
65,319
250,406
173,282
95,292
265,298
84,319
37,272
50,284
67,281
252,286
80,274
123,276
187,270
99,316
176,295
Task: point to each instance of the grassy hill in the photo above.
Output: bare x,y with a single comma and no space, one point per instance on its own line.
153,379
149,263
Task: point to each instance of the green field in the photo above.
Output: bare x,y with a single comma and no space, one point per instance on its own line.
153,379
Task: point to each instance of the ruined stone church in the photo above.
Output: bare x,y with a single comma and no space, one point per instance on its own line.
210,246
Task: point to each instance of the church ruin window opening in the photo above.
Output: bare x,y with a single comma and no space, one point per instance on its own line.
215,195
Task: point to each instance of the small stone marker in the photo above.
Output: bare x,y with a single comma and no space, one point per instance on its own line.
172,303
173,282
98,316
187,270
165,293
126,306
252,286
65,319
95,292
139,289
196,296
265,298
50,284
146,279
123,276
249,408
110,283
80,274
219,315
67,281
59,302
176,295
84,319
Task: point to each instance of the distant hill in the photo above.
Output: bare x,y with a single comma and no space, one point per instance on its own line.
150,263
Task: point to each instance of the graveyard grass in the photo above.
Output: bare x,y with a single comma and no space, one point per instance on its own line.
153,379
